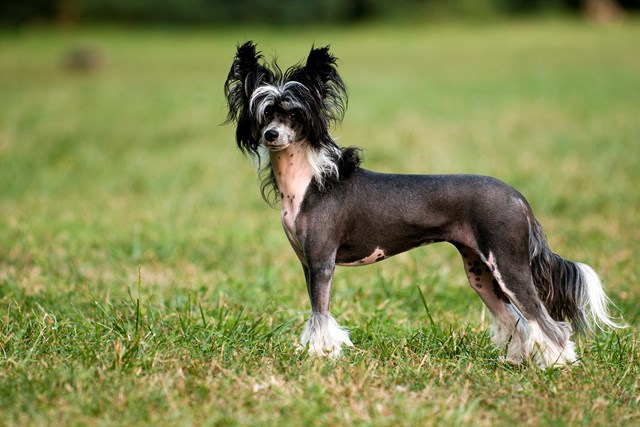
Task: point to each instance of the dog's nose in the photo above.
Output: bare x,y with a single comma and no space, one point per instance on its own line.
271,135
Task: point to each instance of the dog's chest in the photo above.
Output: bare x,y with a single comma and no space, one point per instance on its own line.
288,215
293,173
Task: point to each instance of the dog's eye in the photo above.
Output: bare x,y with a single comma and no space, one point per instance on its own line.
268,112
293,116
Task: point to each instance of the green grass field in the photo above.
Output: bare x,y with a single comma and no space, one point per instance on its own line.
143,281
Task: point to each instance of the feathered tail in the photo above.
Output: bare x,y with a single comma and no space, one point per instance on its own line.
570,290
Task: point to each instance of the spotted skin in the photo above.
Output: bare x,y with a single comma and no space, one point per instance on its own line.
292,174
376,256
481,280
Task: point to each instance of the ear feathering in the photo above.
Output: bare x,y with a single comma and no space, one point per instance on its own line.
247,73
320,75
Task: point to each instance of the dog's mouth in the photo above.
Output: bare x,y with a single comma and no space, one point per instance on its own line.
274,146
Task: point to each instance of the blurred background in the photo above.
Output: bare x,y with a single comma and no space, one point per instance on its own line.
293,12
70,12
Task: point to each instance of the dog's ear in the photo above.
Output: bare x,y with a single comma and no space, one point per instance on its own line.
246,74
320,74
321,65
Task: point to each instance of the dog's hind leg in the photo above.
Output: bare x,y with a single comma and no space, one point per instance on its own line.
322,334
547,341
509,331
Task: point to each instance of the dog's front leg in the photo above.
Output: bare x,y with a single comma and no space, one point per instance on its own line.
322,334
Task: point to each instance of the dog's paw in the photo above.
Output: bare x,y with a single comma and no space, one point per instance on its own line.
323,337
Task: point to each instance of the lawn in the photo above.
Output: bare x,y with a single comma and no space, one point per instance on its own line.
143,281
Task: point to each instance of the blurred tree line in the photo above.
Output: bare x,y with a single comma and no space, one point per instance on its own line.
66,12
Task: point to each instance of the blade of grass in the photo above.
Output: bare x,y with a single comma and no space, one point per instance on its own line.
426,307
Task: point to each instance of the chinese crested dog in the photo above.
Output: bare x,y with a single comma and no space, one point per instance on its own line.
334,212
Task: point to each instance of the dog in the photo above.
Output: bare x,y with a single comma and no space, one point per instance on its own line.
336,213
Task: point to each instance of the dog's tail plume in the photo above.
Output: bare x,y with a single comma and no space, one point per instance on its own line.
570,290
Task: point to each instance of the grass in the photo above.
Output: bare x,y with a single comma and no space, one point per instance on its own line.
143,280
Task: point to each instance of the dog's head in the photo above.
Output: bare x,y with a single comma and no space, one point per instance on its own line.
276,109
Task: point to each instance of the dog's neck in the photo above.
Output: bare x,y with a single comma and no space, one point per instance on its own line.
293,173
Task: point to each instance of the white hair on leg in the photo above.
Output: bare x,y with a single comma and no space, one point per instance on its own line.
323,336
547,353
593,300
509,332
524,339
